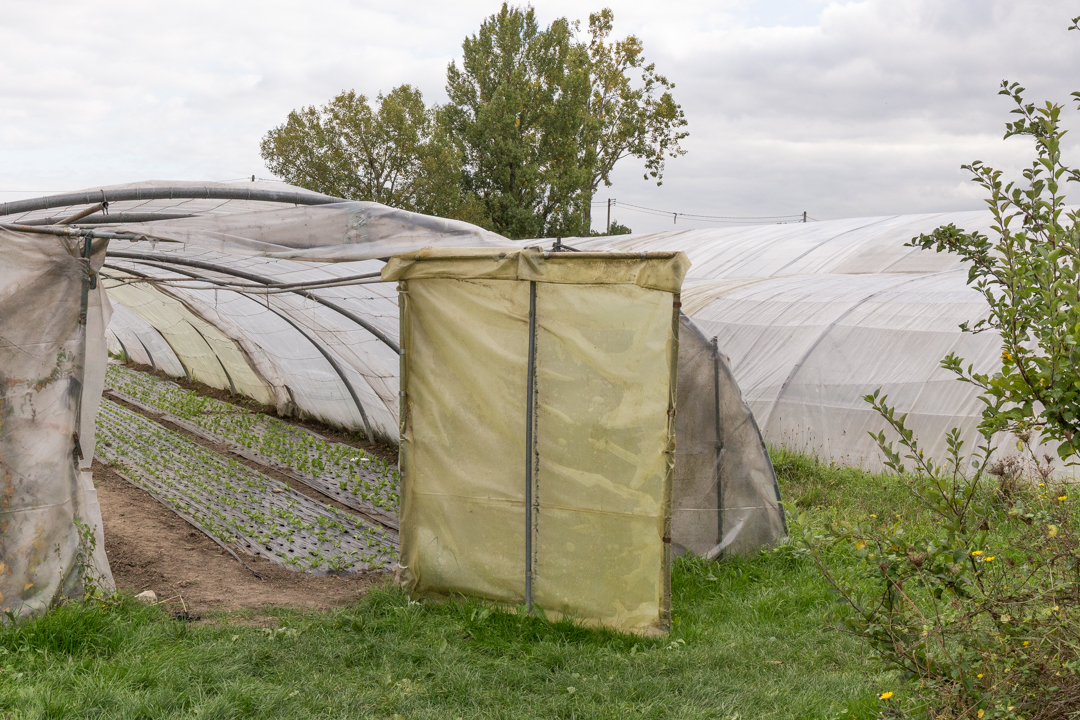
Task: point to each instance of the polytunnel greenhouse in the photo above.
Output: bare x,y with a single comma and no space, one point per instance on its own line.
815,316
276,294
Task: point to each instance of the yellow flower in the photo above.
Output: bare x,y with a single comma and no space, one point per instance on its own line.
1051,530
1063,498
989,559
981,713
976,552
872,515
885,695
860,544
1026,643
979,676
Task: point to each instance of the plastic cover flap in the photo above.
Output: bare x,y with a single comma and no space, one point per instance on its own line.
52,371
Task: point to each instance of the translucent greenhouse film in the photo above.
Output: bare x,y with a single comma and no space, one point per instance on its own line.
815,316
236,293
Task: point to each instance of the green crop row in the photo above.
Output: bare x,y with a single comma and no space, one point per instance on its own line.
350,469
235,503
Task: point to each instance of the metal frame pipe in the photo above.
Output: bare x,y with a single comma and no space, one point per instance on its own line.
202,264
313,340
91,197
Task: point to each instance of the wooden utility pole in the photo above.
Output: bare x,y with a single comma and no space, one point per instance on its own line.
608,216
804,216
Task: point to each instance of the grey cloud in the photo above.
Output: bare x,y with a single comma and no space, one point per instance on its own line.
842,109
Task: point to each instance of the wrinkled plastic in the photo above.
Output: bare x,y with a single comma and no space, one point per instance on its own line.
725,498
815,316
51,376
604,429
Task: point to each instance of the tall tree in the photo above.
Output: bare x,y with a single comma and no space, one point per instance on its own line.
395,153
626,118
542,118
514,112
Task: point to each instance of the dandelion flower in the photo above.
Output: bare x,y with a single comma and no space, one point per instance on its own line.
872,515
976,552
885,695
981,713
989,559
1026,643
1063,498
979,676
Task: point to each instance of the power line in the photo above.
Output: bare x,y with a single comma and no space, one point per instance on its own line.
794,217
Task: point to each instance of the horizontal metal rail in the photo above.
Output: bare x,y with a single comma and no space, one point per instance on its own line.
100,219
77,232
91,197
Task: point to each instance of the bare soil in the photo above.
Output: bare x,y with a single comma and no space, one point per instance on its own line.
151,548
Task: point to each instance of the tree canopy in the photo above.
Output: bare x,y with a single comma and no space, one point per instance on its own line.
537,119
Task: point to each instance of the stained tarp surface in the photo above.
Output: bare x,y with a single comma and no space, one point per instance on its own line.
52,367
600,441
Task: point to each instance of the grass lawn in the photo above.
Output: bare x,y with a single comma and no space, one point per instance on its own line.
749,640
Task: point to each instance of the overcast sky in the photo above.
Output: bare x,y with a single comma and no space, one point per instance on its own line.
842,109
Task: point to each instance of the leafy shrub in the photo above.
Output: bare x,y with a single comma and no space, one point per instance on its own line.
979,610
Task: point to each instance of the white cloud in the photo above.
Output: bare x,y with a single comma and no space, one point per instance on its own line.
841,109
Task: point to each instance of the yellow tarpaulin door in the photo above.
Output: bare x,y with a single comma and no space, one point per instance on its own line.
603,388
537,433
462,520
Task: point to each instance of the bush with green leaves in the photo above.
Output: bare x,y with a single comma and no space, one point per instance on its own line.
979,607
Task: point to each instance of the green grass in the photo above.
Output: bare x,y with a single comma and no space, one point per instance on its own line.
748,640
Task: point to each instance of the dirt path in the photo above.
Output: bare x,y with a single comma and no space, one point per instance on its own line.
151,548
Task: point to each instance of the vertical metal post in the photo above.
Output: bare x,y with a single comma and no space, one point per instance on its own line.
804,216
89,282
719,443
608,232
530,442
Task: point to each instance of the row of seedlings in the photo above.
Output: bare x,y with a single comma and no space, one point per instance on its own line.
237,505
348,474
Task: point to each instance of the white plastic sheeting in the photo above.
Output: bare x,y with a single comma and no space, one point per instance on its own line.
332,353
282,339
335,232
815,316
52,367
